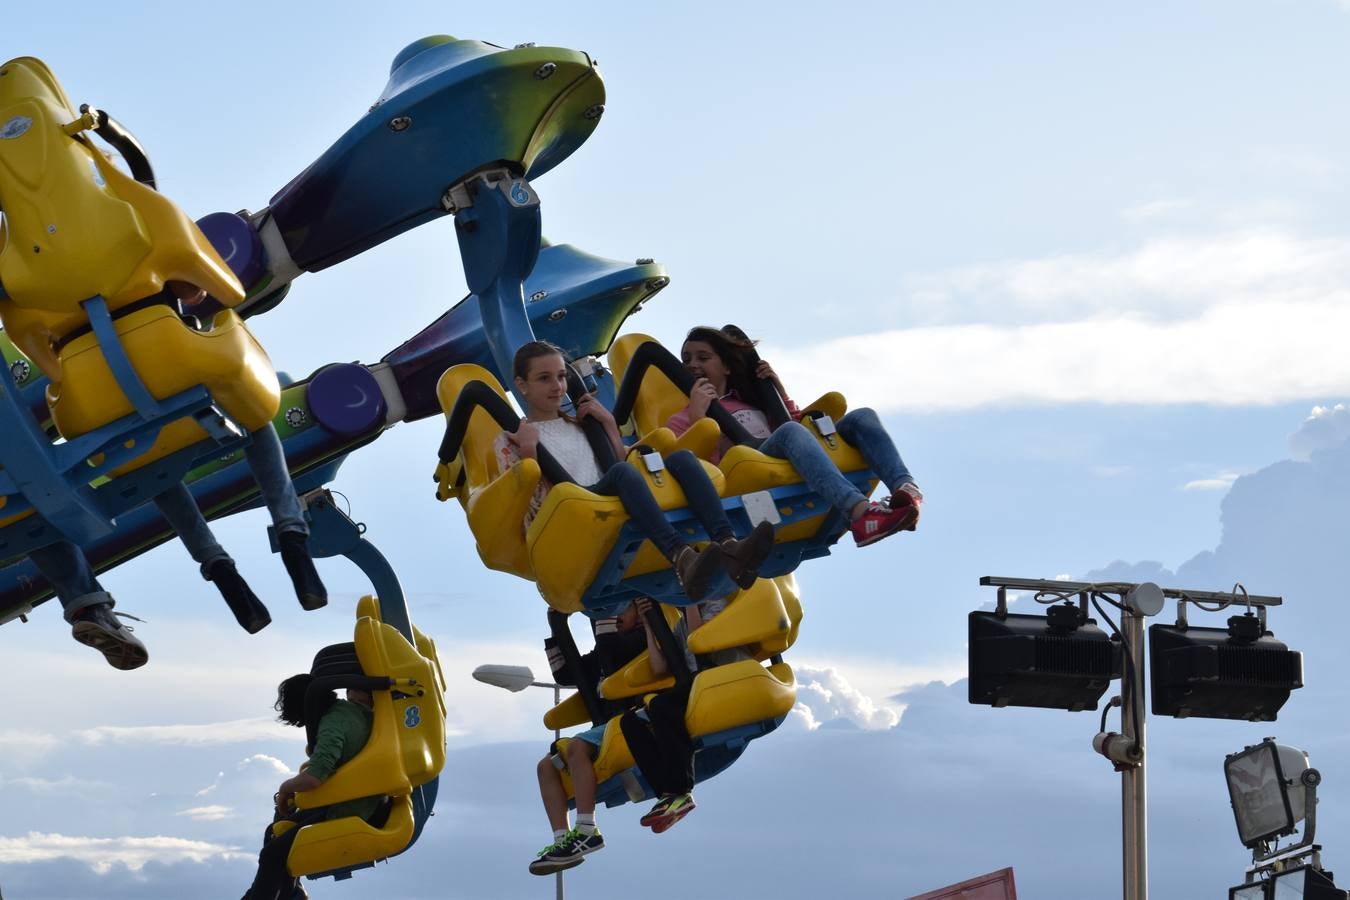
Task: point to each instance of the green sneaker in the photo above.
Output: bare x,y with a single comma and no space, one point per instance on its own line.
567,852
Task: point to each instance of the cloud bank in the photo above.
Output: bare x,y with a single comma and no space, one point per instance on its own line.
1249,318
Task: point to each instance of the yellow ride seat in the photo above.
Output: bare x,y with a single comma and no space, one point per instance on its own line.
76,227
566,544
351,841
406,749
762,620
746,469
657,400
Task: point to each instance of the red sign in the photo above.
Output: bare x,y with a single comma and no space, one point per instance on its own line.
994,886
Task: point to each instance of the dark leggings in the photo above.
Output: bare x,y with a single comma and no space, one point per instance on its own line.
274,881
626,483
661,746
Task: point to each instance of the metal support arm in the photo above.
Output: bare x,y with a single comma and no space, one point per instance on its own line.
498,225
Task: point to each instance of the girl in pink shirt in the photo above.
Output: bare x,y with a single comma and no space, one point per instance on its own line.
724,365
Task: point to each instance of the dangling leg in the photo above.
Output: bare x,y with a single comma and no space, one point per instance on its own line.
88,608
863,429
870,522
180,510
267,461
742,558
694,568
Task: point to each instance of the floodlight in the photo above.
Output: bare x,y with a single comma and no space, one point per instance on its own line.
1058,661
1266,787
513,678
1257,890
1240,672
1305,883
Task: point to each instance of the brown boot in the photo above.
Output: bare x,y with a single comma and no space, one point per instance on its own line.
695,569
744,557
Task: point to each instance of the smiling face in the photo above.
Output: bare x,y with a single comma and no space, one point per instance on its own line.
703,362
544,386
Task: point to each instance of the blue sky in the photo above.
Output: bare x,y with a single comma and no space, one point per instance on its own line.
1089,264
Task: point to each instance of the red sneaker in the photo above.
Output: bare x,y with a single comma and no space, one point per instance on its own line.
879,521
909,495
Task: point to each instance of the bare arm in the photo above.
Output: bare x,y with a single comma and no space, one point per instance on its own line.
293,785
655,657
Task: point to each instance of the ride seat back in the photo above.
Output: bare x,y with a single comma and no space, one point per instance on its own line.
756,619
77,225
737,694
792,602
724,698
494,500
658,398
406,747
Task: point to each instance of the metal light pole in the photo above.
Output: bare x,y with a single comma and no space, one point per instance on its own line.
1126,750
516,679
1144,600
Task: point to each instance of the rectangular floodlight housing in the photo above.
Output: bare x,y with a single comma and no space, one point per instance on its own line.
1258,788
1024,660
1305,883
1257,890
1206,673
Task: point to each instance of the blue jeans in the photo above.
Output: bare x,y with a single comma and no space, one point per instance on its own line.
267,461
698,489
626,483
862,429
67,570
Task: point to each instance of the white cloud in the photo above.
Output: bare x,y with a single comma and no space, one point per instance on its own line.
1166,277
1246,354
1325,427
825,695
1220,482
235,732
1239,318
207,813
43,785
103,853
262,760
36,741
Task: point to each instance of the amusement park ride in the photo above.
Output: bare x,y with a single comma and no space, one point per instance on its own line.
116,394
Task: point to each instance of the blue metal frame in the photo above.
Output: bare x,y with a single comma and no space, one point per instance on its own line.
610,591
499,239
713,754
55,479
333,533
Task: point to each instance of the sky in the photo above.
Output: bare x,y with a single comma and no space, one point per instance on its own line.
1089,264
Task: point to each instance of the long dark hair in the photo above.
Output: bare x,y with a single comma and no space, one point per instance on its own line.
290,705
736,352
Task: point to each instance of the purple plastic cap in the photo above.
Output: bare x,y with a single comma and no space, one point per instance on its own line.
345,398
237,243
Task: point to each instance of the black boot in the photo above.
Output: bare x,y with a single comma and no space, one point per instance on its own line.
295,556
247,608
744,557
695,569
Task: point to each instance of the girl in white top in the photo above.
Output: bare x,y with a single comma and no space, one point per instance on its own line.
541,380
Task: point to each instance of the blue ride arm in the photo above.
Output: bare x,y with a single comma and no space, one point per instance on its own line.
498,226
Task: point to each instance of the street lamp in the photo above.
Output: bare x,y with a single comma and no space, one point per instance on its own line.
516,679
